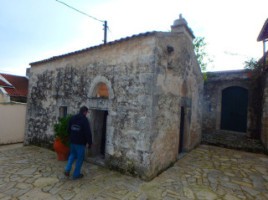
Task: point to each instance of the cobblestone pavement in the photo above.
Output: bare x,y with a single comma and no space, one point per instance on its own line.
207,172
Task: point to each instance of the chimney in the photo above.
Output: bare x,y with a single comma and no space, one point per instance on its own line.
180,26
28,72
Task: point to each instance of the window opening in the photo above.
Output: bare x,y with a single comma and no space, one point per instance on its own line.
62,111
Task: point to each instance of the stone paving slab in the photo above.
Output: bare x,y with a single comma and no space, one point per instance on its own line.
207,172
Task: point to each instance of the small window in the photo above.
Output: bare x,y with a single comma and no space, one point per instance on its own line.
63,111
102,91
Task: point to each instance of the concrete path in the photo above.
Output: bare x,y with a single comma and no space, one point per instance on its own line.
207,172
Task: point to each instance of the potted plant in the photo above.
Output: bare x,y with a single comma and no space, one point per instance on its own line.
61,143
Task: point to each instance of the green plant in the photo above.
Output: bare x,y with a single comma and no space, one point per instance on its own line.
254,65
202,56
61,129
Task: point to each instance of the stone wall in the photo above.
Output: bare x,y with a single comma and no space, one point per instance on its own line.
67,82
264,120
213,87
146,76
178,78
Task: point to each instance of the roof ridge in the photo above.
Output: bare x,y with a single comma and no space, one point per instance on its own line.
12,75
5,80
264,28
148,33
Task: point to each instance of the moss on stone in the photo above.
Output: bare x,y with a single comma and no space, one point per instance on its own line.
122,165
42,142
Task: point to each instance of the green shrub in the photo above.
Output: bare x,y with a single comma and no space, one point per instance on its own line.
61,129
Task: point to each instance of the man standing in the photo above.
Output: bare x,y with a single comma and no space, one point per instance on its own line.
80,135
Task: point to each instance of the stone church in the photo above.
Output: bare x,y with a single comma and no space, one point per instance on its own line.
144,93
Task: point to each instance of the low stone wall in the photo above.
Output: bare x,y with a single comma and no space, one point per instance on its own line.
12,122
212,105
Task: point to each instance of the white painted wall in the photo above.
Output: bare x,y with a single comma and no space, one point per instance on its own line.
12,122
4,97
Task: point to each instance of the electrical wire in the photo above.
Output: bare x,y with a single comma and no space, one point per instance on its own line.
79,11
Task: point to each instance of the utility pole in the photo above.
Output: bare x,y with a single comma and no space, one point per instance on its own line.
264,53
105,27
105,31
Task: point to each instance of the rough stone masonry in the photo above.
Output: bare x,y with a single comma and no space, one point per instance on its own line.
152,109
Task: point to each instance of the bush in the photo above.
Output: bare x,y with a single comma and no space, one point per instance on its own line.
61,129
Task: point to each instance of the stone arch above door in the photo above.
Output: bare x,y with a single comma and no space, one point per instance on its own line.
100,81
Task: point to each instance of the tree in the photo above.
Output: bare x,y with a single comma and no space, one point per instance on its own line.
252,64
202,57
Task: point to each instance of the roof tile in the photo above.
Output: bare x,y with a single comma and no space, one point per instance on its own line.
18,87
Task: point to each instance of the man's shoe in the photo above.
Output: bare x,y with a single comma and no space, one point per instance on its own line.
67,174
78,177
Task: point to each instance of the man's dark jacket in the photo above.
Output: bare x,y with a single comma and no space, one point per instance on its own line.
79,130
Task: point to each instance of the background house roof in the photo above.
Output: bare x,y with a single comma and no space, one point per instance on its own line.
14,85
264,32
4,84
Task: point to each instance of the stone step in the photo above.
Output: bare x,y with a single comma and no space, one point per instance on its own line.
233,140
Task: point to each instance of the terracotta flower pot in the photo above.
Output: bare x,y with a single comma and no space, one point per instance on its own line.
61,150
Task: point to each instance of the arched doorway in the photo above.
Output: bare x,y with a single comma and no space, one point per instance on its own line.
185,116
181,136
98,118
234,109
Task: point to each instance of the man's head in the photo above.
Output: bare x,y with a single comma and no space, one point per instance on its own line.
83,110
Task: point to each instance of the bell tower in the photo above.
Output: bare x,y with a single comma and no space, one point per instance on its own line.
180,26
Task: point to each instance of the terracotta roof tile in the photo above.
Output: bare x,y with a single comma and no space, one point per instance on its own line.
18,87
3,84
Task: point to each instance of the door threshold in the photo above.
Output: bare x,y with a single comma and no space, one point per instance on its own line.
181,155
99,160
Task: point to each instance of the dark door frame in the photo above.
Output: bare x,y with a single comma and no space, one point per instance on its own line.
181,137
234,109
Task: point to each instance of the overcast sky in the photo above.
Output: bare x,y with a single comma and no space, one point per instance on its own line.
33,30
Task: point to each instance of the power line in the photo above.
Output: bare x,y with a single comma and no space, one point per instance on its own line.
79,11
105,26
